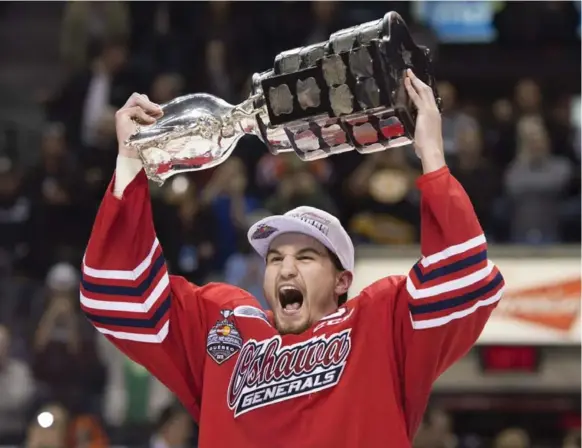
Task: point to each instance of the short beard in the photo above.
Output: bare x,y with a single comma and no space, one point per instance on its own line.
293,330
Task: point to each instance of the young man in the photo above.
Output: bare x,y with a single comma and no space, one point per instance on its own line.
314,373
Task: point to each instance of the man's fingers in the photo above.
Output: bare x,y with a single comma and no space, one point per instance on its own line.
143,101
416,82
421,88
423,91
412,93
138,114
149,108
131,101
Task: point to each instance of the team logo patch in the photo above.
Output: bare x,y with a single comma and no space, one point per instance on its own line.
267,372
262,232
224,340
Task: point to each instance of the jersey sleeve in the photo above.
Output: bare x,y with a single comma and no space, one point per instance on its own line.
156,319
443,304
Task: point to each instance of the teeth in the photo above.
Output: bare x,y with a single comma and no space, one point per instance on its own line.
292,306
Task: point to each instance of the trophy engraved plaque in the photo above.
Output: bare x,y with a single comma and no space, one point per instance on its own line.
340,95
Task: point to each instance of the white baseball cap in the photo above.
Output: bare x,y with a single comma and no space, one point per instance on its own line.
62,276
309,221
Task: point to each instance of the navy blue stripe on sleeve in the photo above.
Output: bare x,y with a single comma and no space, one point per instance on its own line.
131,291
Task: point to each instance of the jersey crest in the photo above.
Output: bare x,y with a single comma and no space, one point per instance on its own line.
224,339
267,372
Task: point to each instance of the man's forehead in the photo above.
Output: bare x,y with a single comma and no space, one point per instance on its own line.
295,242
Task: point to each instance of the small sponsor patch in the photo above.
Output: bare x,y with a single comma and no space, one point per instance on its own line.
224,340
263,231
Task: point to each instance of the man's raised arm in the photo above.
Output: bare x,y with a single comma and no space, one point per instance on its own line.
439,309
126,292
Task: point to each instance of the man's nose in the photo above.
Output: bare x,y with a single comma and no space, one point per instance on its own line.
288,267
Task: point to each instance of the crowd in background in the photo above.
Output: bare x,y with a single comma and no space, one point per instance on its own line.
517,155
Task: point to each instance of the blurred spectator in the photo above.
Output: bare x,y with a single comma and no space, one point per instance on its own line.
562,133
91,96
65,360
17,233
441,428
500,136
17,389
382,193
226,194
86,431
534,183
218,57
470,167
217,71
512,438
88,24
189,229
133,397
271,169
164,34
62,279
436,431
296,188
56,189
528,97
174,429
49,427
245,269
15,217
454,120
166,87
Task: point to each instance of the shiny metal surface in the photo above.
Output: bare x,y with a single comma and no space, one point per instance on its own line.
197,131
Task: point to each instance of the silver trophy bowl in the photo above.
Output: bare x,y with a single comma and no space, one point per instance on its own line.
197,132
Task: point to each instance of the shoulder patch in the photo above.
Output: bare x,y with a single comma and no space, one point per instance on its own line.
224,339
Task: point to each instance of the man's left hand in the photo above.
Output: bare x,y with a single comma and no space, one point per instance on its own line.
428,138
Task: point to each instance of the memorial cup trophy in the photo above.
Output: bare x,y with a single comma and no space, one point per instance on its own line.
341,95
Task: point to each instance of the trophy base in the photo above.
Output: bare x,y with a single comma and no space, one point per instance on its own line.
322,136
347,93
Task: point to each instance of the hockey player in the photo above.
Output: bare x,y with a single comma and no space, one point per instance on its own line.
317,371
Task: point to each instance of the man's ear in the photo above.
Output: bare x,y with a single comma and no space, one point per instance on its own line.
343,282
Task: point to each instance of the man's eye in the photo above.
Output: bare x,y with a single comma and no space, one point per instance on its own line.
304,257
275,259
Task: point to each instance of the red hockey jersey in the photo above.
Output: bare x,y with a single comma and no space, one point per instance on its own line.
360,377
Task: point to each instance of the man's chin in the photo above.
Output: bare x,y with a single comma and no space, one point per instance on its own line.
291,325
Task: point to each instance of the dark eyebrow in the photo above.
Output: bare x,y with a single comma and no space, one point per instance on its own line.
304,251
309,250
272,252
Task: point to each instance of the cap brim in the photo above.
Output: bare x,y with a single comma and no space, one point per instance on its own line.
262,233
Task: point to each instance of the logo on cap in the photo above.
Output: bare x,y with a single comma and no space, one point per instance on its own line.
262,232
317,221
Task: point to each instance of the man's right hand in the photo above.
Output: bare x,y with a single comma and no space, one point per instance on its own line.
137,110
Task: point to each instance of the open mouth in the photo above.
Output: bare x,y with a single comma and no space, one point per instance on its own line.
290,298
